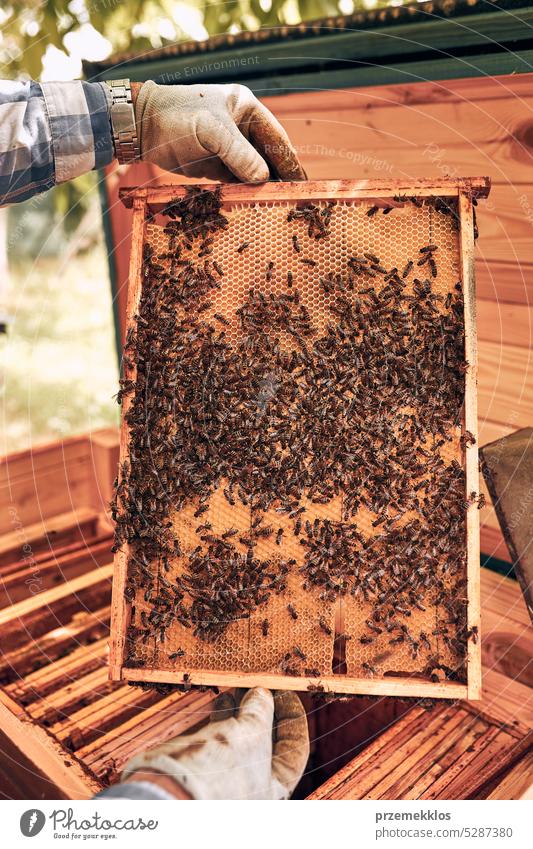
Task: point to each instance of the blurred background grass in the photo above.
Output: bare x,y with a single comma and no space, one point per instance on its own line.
59,357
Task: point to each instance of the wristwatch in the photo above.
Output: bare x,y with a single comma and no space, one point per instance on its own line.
126,141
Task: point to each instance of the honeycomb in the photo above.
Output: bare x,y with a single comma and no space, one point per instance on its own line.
395,238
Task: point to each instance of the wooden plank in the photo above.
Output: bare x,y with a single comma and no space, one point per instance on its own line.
506,699
331,683
402,731
491,536
408,758
452,754
60,767
450,763
120,611
40,458
104,452
495,758
510,725
489,431
60,607
44,536
506,642
128,731
505,282
493,544
18,612
38,684
120,220
33,500
83,689
317,190
505,228
517,782
503,596
466,247
505,324
65,564
404,728
505,383
486,91
507,648
164,720
46,481
460,777
82,726
32,655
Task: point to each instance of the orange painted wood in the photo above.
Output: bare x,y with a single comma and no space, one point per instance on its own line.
493,544
505,384
505,282
505,324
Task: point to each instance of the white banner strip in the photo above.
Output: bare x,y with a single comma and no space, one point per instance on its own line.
360,825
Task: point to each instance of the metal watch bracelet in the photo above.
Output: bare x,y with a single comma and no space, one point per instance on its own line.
125,139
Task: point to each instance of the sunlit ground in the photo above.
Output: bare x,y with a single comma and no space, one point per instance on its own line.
59,365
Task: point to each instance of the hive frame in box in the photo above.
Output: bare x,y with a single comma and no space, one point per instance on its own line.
463,190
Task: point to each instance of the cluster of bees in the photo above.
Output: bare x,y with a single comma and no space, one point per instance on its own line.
360,411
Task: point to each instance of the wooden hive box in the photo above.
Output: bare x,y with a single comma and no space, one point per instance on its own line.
66,731
377,229
454,751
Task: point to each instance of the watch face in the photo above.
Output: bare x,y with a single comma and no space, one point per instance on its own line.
123,118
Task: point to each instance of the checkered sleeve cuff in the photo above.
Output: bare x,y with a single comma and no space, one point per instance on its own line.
78,114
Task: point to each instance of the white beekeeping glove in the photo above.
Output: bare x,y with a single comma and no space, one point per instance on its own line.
213,131
258,752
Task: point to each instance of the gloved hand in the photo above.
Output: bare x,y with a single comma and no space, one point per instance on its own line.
213,131
257,750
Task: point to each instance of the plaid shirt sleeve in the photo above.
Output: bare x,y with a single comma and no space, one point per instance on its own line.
50,133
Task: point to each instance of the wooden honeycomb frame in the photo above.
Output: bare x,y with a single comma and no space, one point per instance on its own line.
152,200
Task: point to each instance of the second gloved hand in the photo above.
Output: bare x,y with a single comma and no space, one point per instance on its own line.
236,757
221,132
